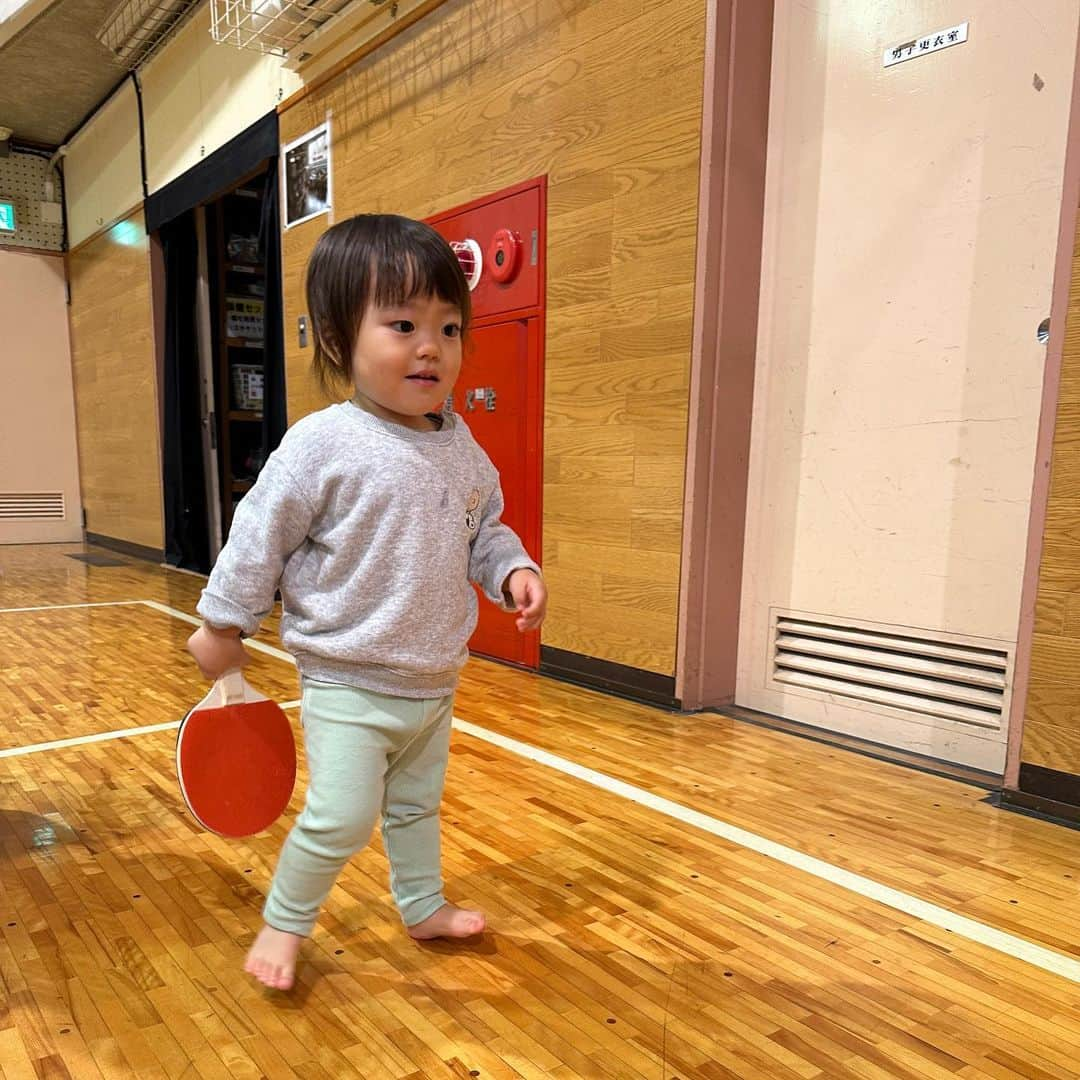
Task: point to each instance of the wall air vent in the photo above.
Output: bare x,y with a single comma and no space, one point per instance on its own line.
31,506
899,668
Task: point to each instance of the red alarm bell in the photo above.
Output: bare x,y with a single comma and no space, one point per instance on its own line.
504,256
471,259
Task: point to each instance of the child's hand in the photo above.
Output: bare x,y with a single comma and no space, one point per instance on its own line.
529,594
217,651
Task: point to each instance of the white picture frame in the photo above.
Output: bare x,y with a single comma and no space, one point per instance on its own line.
306,176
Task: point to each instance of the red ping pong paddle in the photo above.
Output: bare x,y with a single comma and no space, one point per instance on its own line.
236,759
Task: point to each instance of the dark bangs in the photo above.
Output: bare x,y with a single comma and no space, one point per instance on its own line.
383,259
412,260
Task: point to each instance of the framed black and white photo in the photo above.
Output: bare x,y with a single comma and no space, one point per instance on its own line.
305,176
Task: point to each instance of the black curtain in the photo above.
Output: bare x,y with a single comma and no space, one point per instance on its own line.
274,412
186,529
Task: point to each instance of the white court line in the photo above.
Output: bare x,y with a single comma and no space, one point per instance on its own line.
194,620
103,736
183,570
1047,959
123,733
67,607
1009,944
166,610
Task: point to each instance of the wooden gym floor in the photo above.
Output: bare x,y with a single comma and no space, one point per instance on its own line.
669,896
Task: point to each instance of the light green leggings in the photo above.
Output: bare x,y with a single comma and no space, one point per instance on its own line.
366,753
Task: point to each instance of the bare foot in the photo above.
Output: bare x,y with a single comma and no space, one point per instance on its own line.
272,958
449,921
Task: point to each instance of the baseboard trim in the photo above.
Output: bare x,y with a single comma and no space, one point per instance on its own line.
620,680
878,751
126,547
1057,813
1053,784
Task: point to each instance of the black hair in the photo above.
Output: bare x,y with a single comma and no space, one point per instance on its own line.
383,259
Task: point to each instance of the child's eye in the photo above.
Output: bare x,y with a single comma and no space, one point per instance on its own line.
452,330
403,326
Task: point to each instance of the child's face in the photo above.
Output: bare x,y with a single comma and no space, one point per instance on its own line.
407,358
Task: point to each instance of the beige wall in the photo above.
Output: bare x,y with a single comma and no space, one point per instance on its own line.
198,95
603,96
102,173
910,233
37,415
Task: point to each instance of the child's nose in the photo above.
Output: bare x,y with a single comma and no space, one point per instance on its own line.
428,347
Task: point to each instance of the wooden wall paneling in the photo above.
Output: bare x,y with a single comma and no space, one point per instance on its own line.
115,378
604,97
1052,714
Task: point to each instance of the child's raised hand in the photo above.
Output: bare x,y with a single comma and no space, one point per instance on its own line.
217,651
529,594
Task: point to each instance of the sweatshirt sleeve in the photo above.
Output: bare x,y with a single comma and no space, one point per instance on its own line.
270,523
496,552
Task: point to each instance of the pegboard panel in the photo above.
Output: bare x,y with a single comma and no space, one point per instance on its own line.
22,181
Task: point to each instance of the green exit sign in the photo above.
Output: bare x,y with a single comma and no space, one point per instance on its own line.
7,216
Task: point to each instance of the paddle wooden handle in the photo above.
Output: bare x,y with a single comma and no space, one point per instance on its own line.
231,687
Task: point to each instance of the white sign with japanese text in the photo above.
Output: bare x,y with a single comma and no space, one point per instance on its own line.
928,43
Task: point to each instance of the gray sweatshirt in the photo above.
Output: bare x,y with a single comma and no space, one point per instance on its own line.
372,532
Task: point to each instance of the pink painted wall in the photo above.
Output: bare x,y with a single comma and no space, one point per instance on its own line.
38,451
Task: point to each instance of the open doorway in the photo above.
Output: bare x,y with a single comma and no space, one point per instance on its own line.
222,353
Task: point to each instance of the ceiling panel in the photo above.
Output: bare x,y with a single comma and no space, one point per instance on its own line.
55,71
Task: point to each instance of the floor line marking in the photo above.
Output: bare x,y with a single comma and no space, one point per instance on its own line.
102,736
79,740
970,929
68,607
1009,944
194,620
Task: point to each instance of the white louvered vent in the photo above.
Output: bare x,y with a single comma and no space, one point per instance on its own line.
933,676
31,506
